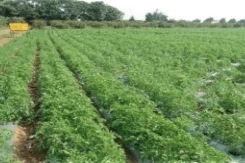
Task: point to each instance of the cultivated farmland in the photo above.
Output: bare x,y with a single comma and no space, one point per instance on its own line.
125,95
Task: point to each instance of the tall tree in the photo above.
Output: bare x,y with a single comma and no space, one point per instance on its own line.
49,9
59,10
97,11
132,18
196,21
112,13
223,20
9,8
74,10
209,20
242,21
26,9
232,21
156,16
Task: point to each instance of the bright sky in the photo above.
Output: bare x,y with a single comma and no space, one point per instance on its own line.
181,9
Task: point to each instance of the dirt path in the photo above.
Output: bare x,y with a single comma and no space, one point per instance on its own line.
4,41
4,32
5,36
25,146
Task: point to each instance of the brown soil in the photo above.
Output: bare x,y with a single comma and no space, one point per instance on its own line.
25,148
4,32
5,36
4,41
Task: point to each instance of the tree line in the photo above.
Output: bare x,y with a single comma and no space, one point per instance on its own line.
80,14
159,16
59,10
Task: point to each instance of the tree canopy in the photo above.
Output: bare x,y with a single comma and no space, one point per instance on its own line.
132,18
209,20
196,21
59,10
223,20
232,20
156,16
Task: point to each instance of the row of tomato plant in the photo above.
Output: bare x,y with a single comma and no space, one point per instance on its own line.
15,103
174,86
70,128
131,115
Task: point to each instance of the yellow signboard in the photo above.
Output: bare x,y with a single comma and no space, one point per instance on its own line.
19,26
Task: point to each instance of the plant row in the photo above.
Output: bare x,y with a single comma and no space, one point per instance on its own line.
70,128
133,116
15,102
174,87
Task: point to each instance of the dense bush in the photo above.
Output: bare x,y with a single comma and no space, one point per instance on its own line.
60,24
39,24
76,24
15,20
3,21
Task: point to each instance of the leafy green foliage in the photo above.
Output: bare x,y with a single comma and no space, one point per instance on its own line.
59,10
182,78
15,103
3,21
172,95
71,129
129,113
39,24
16,72
156,16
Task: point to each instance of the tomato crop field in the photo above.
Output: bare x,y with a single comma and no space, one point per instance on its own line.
123,96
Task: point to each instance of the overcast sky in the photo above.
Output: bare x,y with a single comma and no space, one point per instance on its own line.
181,9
